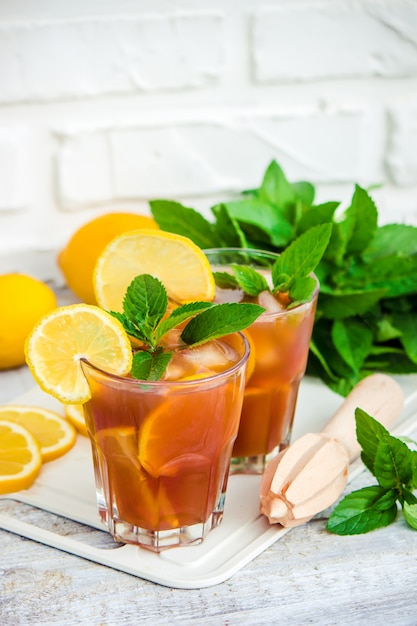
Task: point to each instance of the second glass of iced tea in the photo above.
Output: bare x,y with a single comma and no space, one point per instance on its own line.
162,450
279,341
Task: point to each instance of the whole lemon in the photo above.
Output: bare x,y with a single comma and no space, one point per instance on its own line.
77,260
24,300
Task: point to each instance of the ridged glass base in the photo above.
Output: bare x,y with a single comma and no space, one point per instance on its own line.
158,540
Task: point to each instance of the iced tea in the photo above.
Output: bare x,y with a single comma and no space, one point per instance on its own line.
280,340
162,449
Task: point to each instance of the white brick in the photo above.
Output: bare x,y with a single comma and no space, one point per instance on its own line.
83,170
402,144
15,173
89,57
201,158
320,41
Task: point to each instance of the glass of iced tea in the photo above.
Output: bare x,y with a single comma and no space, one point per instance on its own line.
162,450
279,341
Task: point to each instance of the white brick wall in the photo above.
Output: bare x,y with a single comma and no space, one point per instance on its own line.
105,105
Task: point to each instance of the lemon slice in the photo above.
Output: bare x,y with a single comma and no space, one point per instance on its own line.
179,264
62,338
55,436
20,457
75,414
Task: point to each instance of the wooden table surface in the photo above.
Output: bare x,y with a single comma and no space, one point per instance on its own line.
309,576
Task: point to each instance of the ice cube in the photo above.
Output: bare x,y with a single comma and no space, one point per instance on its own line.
179,367
215,355
269,302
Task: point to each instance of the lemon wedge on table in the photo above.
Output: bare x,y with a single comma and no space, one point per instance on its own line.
75,414
20,457
179,264
60,340
54,434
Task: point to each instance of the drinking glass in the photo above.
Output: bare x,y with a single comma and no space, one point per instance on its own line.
161,450
279,341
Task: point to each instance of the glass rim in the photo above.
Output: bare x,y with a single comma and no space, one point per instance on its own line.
137,383
266,253
272,255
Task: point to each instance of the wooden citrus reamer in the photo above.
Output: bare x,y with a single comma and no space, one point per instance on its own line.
312,472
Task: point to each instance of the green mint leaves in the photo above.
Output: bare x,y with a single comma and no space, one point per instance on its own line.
290,272
146,319
394,465
366,319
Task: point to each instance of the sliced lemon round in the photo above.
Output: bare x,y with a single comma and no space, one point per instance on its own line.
179,264
54,434
75,414
62,338
20,457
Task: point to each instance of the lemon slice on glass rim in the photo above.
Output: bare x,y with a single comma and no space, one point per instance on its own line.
179,264
62,338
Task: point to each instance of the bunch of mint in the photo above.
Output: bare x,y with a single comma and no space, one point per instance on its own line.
146,318
366,317
394,465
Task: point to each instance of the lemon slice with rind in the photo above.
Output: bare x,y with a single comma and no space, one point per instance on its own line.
75,414
20,457
179,264
62,338
54,434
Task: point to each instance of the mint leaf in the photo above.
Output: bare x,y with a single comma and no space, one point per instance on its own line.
220,320
393,464
301,290
145,300
406,326
392,239
144,305
249,280
302,255
362,217
352,339
275,187
316,215
176,218
227,228
150,366
369,432
334,306
363,510
224,280
180,315
304,191
261,221
410,514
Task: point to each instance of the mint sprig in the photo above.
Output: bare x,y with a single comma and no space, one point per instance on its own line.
291,272
146,319
394,465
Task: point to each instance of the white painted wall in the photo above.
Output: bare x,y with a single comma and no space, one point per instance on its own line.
105,104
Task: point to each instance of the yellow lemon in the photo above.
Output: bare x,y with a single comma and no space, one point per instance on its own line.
77,260
20,457
55,436
62,338
179,264
24,300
